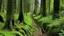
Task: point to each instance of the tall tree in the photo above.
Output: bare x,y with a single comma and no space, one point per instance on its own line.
5,5
0,4
8,23
49,6
26,6
17,6
43,8
36,6
56,9
20,18
14,5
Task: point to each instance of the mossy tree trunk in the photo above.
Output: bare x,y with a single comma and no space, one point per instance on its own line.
49,6
56,9
5,5
0,4
8,23
36,6
17,5
26,6
14,5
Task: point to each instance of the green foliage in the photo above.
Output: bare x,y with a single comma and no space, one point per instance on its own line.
62,14
61,34
47,19
9,33
27,19
51,26
37,17
3,15
1,25
27,27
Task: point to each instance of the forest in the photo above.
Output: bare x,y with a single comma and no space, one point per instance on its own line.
31,17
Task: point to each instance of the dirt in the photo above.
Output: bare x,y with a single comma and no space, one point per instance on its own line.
38,31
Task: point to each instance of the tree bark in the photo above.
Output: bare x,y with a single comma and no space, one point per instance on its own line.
14,5
21,18
49,6
8,23
0,4
36,6
26,6
56,9
43,8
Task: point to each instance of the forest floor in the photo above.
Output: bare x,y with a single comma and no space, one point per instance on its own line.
38,31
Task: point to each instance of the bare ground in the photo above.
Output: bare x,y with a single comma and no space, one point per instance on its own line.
38,31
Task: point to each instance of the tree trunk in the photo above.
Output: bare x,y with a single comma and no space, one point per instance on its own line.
0,4
14,5
26,6
36,6
49,6
56,9
21,18
17,6
43,8
5,5
13,11
8,23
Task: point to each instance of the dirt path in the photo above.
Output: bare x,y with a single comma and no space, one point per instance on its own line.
38,31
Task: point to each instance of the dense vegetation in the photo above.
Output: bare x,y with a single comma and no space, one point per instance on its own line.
31,17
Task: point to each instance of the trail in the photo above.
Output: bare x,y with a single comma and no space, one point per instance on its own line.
38,32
